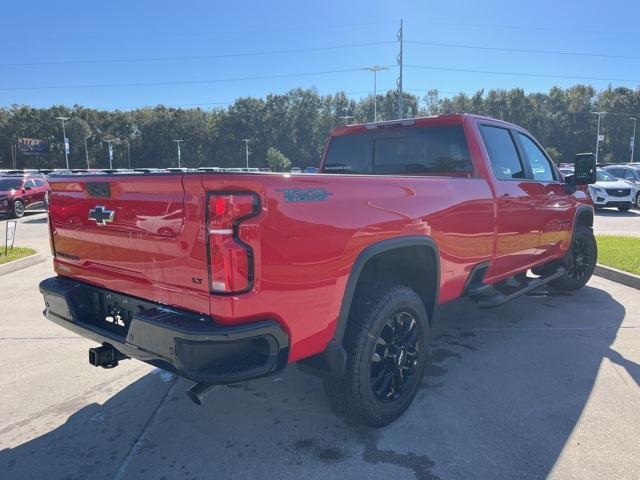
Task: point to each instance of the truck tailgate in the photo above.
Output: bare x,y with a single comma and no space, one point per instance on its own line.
135,233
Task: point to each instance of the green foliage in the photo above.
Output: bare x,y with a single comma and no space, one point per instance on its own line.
554,154
15,254
297,124
277,161
622,253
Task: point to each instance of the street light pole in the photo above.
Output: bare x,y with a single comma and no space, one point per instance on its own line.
246,147
86,152
400,94
179,156
375,69
598,134
110,155
64,140
633,138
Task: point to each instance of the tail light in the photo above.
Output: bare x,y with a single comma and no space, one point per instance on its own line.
230,259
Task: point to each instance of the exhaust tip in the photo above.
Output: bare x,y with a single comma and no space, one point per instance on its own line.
194,397
198,392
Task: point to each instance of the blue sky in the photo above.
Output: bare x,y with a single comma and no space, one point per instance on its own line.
69,31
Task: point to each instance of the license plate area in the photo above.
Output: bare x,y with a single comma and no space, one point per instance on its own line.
113,312
106,310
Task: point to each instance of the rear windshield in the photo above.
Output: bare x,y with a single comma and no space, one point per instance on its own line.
426,150
10,183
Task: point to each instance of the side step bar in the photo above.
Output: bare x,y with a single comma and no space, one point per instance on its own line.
484,299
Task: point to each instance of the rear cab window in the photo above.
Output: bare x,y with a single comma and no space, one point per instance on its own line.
424,150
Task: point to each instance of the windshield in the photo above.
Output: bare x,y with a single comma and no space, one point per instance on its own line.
10,183
603,176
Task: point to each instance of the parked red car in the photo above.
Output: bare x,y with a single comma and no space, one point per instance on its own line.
223,277
21,193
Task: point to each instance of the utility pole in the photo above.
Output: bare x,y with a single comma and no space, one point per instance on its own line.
86,152
375,69
400,97
598,134
633,138
346,118
128,155
66,140
246,147
179,156
14,154
110,153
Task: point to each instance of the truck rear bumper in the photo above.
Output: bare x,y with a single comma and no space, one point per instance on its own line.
188,344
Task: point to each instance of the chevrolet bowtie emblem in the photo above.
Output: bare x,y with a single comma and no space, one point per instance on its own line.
101,215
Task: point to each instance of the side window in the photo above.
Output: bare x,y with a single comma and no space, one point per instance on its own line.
39,183
629,175
503,155
540,164
29,183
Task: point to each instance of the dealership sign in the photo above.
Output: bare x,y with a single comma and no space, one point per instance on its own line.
9,236
32,146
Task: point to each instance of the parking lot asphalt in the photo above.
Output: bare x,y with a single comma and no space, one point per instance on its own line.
546,386
610,221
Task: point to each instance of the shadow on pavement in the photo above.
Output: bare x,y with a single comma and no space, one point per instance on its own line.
614,212
35,220
503,394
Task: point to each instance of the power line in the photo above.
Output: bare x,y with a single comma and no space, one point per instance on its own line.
156,34
523,50
518,74
197,57
205,104
183,82
532,27
425,90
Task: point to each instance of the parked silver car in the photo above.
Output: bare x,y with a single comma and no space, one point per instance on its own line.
629,173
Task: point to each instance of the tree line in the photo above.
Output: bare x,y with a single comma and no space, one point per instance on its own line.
297,123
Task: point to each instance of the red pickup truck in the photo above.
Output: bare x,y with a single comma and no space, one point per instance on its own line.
223,277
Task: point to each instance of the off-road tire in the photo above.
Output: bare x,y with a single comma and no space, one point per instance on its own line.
581,261
374,306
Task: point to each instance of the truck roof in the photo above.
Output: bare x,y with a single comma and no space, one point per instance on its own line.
411,122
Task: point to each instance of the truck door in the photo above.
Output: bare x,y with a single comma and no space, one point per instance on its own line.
517,224
551,202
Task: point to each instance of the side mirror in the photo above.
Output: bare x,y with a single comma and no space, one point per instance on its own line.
584,169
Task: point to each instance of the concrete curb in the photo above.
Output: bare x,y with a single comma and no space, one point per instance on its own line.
619,276
21,263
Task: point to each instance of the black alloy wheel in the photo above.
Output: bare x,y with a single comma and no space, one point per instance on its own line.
581,259
395,358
